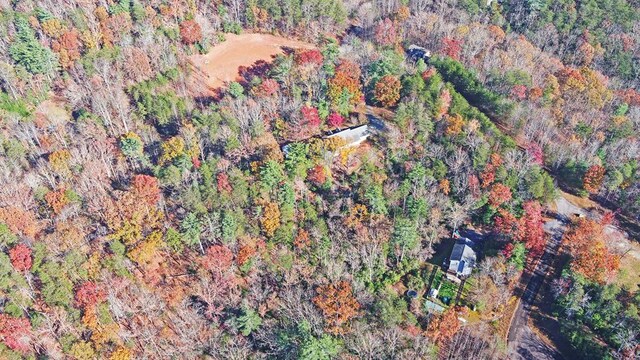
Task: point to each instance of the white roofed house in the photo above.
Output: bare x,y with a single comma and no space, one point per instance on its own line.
462,259
352,136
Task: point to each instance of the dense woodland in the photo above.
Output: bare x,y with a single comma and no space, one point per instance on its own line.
142,217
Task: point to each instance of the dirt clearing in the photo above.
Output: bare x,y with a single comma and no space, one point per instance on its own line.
220,65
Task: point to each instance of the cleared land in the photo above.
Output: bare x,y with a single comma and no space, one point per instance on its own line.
220,65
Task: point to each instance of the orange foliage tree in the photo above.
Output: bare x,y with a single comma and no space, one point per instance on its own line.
338,306
190,32
593,178
387,90
317,175
442,329
20,221
591,258
499,195
346,78
57,200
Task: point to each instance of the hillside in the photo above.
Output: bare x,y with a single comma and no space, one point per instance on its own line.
292,179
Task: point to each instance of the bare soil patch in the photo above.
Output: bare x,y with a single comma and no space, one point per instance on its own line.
220,65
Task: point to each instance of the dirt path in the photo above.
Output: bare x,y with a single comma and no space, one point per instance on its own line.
220,65
524,343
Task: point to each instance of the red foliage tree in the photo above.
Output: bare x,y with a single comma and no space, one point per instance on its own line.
267,88
451,47
89,294
474,185
528,229
338,305
217,258
593,178
311,57
386,33
531,228
310,116
190,32
519,92
146,189
335,120
317,175
20,256
222,180
387,90
535,152
506,223
499,195
15,333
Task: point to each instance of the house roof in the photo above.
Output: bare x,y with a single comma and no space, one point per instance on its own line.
462,251
353,136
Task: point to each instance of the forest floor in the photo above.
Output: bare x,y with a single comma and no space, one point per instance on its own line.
222,63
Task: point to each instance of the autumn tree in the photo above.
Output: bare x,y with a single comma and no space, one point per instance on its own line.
223,184
338,305
387,90
19,221
146,189
190,32
308,58
444,101
386,33
335,120
89,294
317,175
442,328
270,219
217,258
454,125
499,194
585,241
531,228
15,333
593,178
310,116
344,87
528,229
451,47
267,88
20,256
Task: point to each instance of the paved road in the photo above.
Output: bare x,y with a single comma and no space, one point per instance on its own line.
524,343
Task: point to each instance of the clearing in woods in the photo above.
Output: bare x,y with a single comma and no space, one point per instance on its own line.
220,65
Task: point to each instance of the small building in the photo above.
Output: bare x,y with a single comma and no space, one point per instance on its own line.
416,53
462,259
433,307
352,136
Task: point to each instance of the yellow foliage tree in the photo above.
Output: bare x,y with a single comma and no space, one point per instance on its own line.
144,252
172,149
270,219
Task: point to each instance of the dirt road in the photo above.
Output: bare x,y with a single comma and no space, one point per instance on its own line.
523,342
